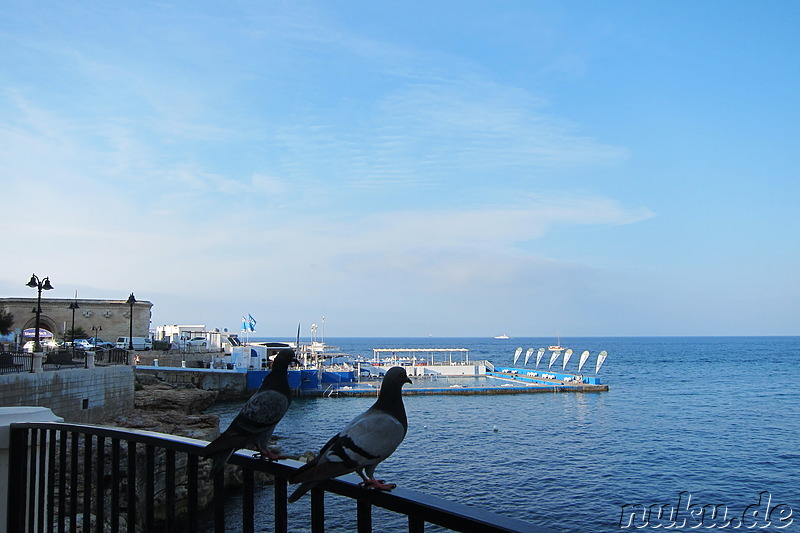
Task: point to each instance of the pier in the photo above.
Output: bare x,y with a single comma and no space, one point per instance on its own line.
425,366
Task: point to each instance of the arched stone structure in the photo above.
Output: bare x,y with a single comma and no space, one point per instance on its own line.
112,318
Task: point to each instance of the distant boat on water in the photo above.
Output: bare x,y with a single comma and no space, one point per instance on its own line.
503,336
557,347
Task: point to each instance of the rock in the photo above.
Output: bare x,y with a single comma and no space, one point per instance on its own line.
146,379
204,427
160,397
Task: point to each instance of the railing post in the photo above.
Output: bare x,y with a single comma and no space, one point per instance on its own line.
150,487
131,487
281,495
219,501
248,506
115,482
17,468
364,516
192,465
317,510
87,479
100,483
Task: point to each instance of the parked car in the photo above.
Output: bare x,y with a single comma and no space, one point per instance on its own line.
197,342
101,344
83,344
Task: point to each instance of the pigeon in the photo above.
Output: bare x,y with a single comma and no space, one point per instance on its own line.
367,440
254,424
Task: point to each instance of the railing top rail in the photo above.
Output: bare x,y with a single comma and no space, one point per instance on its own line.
432,509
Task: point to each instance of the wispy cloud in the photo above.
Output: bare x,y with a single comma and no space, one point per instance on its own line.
302,153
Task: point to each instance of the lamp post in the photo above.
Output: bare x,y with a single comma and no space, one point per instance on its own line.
74,305
97,330
41,285
131,301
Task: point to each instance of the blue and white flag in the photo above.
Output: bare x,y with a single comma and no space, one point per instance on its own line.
252,322
244,324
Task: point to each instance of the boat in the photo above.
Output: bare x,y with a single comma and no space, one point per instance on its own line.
557,347
503,336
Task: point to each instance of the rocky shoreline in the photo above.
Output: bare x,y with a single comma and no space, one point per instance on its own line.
176,410
172,409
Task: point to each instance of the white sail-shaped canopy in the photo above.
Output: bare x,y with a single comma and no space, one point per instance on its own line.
539,355
567,355
584,358
528,355
553,359
601,358
516,354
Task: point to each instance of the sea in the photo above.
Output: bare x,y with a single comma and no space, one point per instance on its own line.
694,433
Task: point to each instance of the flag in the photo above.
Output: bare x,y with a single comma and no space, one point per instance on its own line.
567,355
539,355
252,323
601,358
553,359
584,357
244,324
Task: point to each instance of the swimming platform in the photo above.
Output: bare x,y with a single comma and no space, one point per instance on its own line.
508,383
311,382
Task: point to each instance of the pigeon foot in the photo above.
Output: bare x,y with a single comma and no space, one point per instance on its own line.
378,484
268,455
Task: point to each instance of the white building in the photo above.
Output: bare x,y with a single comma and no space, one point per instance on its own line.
216,340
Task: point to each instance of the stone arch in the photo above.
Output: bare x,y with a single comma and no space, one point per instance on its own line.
45,322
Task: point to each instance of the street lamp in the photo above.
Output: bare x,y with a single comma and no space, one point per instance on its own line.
131,301
97,330
41,285
74,305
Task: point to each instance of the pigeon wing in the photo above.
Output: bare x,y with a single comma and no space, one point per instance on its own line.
254,423
366,440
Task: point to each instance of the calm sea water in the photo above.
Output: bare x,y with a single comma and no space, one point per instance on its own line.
714,418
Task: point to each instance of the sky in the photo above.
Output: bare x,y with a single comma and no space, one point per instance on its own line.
444,168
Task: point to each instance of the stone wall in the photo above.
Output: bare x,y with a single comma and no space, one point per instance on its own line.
81,395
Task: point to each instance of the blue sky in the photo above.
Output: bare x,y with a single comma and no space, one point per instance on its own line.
409,168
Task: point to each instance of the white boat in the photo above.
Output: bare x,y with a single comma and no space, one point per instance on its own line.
557,347
503,336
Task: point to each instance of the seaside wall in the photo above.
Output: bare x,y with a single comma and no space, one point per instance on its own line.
81,395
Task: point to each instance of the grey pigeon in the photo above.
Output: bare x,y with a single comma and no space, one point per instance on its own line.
367,440
254,424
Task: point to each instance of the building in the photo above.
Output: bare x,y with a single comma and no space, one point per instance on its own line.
108,319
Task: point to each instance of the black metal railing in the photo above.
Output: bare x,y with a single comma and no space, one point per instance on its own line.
15,362
69,477
112,356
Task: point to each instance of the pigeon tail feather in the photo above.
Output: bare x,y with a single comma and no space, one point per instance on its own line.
302,489
220,459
